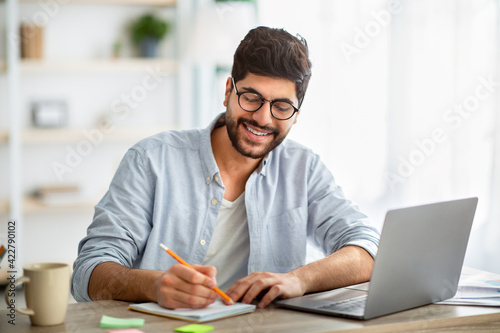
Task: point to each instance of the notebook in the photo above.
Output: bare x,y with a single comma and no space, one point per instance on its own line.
419,260
217,310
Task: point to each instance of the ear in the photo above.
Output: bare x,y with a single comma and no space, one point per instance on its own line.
229,85
296,116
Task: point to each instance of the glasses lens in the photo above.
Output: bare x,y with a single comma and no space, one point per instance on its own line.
282,110
250,101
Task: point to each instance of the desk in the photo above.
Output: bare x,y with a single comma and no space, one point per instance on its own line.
85,318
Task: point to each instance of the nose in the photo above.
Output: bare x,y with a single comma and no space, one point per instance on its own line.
263,115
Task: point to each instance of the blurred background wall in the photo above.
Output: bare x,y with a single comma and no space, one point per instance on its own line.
403,104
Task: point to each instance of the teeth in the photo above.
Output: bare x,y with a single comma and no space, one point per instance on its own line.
255,132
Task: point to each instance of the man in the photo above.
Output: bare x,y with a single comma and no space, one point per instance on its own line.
236,200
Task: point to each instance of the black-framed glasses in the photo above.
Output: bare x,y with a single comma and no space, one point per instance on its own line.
251,102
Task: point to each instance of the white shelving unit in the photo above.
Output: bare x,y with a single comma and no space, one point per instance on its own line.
51,136
22,141
99,66
16,137
119,2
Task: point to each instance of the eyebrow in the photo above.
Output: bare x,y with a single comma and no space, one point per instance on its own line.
252,90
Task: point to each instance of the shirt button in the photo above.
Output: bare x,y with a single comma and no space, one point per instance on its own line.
208,179
217,178
203,242
214,202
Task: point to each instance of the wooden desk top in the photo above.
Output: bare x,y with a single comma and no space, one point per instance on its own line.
85,317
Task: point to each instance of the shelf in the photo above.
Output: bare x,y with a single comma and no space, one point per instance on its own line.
31,205
48,136
111,66
118,2
105,66
123,2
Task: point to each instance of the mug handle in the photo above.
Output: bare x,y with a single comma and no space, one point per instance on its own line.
23,279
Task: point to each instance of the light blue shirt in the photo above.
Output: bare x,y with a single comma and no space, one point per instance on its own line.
168,190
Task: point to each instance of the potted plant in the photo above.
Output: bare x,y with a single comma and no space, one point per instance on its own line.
147,31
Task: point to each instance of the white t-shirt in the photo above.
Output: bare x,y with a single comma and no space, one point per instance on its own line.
229,247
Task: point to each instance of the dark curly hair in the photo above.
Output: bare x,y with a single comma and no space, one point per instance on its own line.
274,53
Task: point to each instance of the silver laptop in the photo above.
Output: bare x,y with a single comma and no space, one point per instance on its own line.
419,261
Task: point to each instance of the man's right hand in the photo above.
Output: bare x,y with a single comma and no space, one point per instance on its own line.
183,287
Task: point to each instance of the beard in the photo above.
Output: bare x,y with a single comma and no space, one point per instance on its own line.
247,147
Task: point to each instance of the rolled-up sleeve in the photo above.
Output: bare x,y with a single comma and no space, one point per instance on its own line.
121,224
334,220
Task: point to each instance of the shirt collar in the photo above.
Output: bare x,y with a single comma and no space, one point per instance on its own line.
262,168
209,165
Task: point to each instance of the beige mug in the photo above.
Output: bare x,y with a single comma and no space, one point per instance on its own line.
46,290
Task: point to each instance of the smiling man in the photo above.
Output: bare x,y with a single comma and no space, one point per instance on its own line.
261,137
236,200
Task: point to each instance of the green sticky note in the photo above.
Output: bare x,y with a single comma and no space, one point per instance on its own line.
194,328
110,322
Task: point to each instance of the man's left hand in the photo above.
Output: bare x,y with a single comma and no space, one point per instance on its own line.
269,285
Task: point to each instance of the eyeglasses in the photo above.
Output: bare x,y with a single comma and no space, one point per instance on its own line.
251,102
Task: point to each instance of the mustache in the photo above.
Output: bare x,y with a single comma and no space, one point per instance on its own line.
253,123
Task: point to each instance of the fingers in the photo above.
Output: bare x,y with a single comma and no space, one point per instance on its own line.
249,287
268,285
182,286
274,292
203,275
209,271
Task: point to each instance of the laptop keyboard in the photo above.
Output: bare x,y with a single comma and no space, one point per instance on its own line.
347,305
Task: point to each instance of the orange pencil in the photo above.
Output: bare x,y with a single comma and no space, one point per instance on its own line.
182,261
